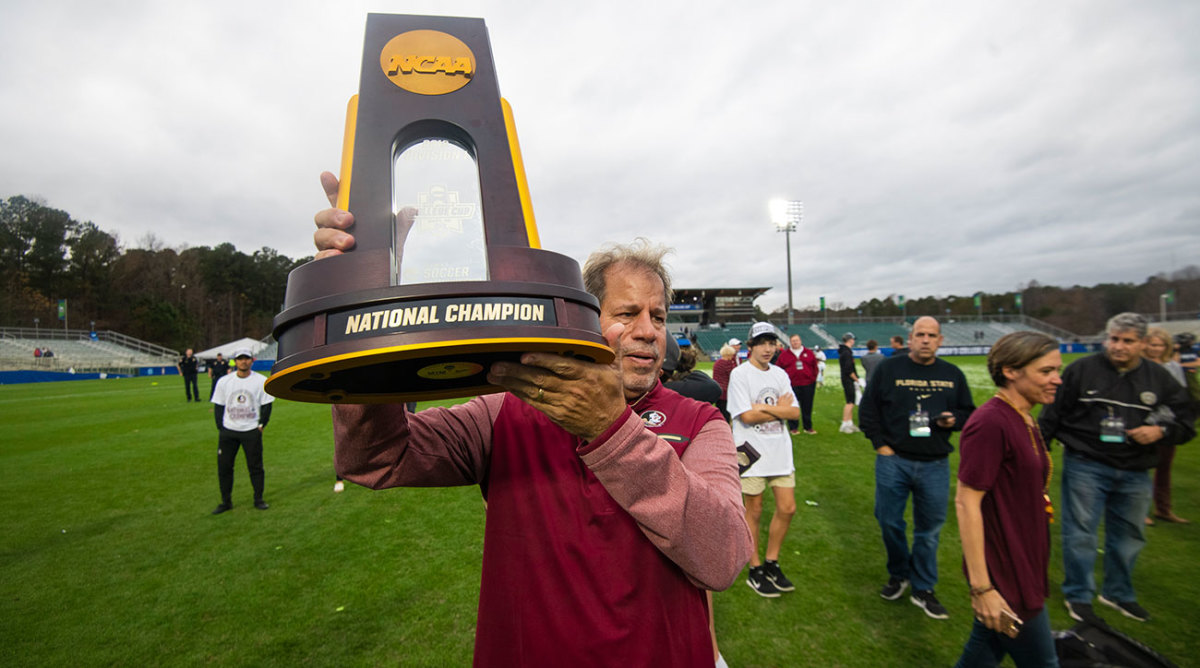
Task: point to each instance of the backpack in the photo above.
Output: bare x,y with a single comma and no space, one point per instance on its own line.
1101,646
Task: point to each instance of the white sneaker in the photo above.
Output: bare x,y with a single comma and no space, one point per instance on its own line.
338,487
846,428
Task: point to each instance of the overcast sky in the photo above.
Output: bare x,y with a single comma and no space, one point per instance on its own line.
938,147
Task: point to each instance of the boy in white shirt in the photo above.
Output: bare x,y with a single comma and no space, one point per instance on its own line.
760,402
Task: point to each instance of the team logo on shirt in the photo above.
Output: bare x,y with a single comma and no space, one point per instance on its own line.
1148,398
653,418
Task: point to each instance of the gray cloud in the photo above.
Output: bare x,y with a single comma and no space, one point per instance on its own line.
939,148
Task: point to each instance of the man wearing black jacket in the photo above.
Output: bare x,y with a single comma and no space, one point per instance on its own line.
911,406
1110,413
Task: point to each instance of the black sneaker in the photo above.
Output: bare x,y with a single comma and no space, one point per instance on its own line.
222,508
759,583
775,575
925,600
1128,608
1082,612
260,504
894,589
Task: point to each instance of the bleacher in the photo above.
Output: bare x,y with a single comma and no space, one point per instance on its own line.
826,335
882,332
77,350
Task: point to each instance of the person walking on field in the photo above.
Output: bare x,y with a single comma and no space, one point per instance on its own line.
242,410
910,408
1004,510
1111,412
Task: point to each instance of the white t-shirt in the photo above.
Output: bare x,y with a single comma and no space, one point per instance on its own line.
241,398
749,385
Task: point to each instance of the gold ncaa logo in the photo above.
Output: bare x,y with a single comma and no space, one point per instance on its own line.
427,62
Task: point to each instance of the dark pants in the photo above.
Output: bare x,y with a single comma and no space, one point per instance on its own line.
227,448
191,387
1033,646
1162,480
804,394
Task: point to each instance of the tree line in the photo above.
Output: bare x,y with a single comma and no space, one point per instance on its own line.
180,298
201,296
1079,309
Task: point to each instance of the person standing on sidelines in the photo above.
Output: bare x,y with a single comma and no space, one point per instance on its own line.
1111,412
908,412
1160,348
871,359
849,382
760,401
800,363
243,409
217,371
1004,510
721,370
187,366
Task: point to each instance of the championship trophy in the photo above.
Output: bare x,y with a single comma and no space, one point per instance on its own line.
447,275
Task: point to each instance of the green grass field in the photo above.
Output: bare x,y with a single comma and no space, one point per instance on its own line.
110,556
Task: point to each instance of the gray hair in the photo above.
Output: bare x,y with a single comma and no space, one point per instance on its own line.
1127,322
641,254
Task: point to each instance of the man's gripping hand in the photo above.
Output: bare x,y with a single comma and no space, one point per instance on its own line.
577,395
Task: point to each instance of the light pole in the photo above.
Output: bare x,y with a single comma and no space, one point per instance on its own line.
36,332
786,215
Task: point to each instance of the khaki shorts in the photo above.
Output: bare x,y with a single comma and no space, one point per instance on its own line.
756,486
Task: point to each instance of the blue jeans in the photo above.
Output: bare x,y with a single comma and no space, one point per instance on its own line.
1033,647
1090,491
929,484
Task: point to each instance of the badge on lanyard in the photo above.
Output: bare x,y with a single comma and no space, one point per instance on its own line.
918,424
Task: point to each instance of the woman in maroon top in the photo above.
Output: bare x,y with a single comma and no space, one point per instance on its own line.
1004,509
721,370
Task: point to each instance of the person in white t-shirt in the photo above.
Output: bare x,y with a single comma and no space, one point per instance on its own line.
760,402
242,411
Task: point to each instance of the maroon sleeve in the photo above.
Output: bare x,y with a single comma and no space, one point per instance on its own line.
690,507
981,449
381,446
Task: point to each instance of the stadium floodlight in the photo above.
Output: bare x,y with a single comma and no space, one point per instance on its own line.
786,215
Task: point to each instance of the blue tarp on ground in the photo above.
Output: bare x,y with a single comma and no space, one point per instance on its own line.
18,377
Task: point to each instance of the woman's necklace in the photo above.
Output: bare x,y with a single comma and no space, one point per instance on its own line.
1033,441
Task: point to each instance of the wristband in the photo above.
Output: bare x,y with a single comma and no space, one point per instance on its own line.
980,591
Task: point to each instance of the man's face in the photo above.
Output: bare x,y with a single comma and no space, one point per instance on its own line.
187,353
634,298
796,342
924,341
244,364
1124,348
762,350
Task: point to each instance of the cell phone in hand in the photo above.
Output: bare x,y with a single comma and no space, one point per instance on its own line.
1014,624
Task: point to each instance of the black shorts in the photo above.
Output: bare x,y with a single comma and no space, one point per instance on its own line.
848,390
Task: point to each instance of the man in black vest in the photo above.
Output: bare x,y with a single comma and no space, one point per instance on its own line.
187,368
